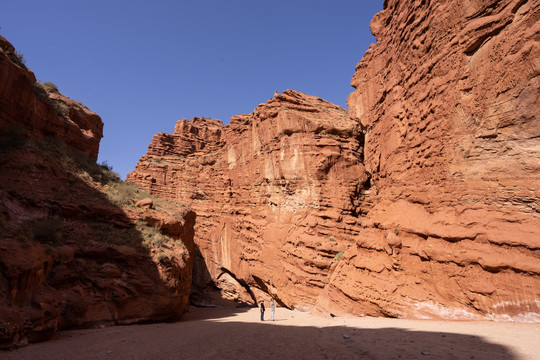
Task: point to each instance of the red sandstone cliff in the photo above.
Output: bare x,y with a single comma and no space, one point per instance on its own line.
274,191
443,220
448,100
75,251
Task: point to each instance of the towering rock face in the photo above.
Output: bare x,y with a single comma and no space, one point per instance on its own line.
275,192
449,101
423,203
75,251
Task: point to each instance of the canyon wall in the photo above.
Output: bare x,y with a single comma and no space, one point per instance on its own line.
422,201
448,100
75,251
274,191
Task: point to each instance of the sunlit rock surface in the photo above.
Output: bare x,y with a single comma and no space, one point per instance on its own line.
277,194
448,100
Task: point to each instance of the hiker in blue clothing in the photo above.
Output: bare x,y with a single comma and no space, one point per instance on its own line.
262,310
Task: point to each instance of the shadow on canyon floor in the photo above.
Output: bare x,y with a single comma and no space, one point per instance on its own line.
215,338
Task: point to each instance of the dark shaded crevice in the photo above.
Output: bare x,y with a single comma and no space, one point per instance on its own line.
361,138
261,284
518,5
361,190
476,45
202,283
240,281
359,194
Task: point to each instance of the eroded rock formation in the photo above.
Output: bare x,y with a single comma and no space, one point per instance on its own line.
423,201
276,194
74,249
449,101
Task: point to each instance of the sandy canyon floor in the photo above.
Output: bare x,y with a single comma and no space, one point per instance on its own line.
238,333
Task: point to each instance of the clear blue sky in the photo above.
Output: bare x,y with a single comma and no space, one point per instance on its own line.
142,65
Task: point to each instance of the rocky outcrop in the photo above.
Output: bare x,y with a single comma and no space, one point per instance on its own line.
449,102
421,203
75,251
76,260
277,194
41,111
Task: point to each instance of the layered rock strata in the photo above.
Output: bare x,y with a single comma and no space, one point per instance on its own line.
448,99
74,249
276,194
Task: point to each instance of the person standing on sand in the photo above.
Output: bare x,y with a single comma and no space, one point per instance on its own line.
262,310
273,308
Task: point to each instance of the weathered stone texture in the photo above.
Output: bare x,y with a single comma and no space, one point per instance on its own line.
448,99
274,192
